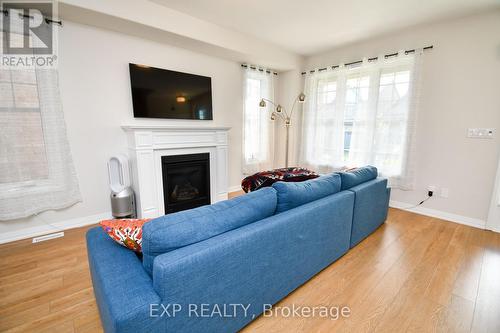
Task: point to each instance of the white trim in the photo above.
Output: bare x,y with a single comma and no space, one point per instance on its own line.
39,230
132,128
493,229
494,210
148,143
470,221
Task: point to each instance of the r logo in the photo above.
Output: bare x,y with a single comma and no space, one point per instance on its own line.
24,28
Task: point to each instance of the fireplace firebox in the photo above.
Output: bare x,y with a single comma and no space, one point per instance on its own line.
186,181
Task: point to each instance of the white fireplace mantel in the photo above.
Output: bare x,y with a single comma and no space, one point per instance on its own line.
147,144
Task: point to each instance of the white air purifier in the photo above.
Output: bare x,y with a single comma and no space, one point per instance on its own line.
122,195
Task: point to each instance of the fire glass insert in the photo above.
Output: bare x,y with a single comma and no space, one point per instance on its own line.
186,181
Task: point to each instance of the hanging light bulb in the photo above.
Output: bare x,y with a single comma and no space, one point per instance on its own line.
273,116
262,103
302,97
279,108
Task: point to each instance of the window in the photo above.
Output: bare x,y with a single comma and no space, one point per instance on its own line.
355,112
363,115
258,129
36,168
327,97
23,157
253,150
391,122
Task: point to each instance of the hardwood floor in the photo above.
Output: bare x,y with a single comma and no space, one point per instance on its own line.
415,273
235,194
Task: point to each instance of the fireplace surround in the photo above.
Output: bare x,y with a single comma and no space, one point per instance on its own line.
149,146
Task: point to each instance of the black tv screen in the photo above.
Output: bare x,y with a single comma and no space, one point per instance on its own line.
160,93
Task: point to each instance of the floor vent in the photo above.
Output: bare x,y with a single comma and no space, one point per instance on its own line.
48,237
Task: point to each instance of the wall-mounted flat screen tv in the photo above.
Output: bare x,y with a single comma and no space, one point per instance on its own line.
161,93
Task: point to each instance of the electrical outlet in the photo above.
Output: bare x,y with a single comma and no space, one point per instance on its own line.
481,133
445,192
431,190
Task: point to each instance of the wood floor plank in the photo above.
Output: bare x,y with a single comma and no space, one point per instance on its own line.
455,317
357,271
442,284
391,277
63,327
362,279
468,278
87,322
24,291
60,320
409,298
486,312
71,300
19,317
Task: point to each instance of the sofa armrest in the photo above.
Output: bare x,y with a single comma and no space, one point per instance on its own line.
371,205
123,289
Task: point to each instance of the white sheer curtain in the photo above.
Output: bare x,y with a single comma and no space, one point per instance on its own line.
322,139
36,168
258,129
364,114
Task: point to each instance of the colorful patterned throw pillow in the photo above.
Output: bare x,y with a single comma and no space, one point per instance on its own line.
126,232
268,178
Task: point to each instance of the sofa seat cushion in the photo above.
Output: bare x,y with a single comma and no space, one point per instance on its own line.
177,230
291,195
357,176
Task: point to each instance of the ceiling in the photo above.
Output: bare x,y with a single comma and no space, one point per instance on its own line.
308,27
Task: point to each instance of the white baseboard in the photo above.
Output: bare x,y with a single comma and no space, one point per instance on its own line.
39,230
494,229
470,221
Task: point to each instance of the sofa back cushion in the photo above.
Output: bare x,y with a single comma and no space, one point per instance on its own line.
358,176
291,195
176,230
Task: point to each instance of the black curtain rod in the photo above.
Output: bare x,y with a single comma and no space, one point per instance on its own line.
259,69
47,20
369,59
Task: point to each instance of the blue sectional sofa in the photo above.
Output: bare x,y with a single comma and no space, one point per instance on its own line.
216,268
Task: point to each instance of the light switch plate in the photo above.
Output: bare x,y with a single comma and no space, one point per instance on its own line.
481,133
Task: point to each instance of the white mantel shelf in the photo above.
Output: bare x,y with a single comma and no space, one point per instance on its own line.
173,128
147,144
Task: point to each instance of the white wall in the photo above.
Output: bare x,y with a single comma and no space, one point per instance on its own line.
461,80
150,20
289,87
95,92
460,89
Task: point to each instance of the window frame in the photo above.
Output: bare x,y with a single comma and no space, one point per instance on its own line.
375,118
